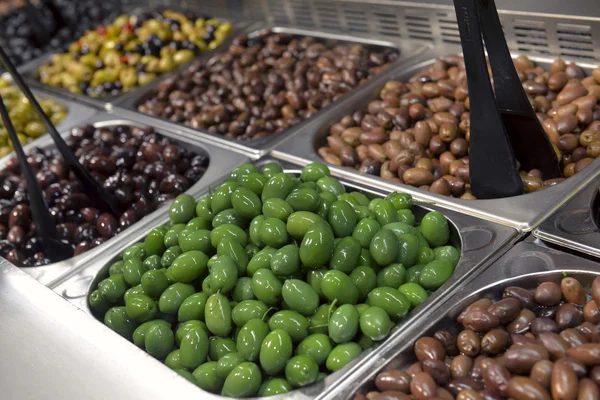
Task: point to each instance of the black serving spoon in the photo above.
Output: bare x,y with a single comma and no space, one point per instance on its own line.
102,199
504,128
44,225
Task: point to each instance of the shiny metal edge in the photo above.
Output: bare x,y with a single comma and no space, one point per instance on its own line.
29,69
573,225
482,242
523,212
49,345
258,147
220,162
526,264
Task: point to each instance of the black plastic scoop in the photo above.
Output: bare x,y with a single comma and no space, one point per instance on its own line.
102,199
504,129
44,225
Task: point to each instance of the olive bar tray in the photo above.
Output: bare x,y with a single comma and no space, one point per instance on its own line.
523,212
220,161
527,264
127,106
480,241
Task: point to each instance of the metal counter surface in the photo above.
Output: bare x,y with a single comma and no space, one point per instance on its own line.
52,350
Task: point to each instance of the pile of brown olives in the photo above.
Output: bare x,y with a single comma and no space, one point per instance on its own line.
131,51
26,122
537,344
273,281
417,132
264,83
142,169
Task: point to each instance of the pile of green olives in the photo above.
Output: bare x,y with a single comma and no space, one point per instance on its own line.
27,123
273,281
132,51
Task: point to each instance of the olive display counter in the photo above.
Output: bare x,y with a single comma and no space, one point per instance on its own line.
108,282
206,287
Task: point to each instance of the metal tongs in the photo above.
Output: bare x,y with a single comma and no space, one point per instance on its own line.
55,249
504,129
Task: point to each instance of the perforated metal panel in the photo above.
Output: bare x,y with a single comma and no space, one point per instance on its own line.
527,32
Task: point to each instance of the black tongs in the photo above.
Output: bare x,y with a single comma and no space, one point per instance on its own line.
504,129
45,228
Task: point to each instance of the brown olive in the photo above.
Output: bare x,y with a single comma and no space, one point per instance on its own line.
520,359
541,373
554,344
496,377
448,341
428,348
525,297
393,379
457,385
422,386
591,313
523,388
573,291
469,343
563,383
522,322
548,294
568,316
495,341
461,366
588,353
543,324
588,390
505,310
480,320
439,371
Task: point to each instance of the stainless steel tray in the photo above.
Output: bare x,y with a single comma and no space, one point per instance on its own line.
481,243
523,212
574,225
526,264
28,71
258,147
220,161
